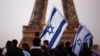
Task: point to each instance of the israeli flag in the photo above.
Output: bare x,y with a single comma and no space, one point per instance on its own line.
82,35
54,28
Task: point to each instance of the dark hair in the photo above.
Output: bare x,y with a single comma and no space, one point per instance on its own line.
67,44
26,47
8,44
85,45
36,41
60,45
14,42
46,42
1,51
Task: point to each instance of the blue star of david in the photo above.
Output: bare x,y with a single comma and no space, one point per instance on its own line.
50,29
79,41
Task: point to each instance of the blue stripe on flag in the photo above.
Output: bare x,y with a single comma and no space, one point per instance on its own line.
87,39
45,30
87,35
79,30
53,12
57,33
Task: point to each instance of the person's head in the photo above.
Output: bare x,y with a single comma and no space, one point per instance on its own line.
60,44
95,47
14,42
46,42
67,44
36,41
85,46
25,46
8,44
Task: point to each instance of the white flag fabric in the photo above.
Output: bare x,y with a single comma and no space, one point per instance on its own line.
54,28
82,35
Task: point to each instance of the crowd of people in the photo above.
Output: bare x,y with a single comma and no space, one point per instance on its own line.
11,49
62,49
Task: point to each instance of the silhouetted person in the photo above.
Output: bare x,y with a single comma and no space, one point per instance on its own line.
96,50
14,51
48,51
59,50
91,42
68,49
8,46
0,51
86,51
26,49
36,49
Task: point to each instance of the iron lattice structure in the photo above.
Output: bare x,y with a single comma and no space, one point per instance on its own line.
37,21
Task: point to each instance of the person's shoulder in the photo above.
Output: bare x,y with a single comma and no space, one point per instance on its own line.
16,49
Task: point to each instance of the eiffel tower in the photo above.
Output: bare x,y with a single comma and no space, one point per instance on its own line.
37,21
71,16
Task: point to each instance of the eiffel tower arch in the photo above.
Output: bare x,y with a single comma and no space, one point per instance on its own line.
37,21
71,17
